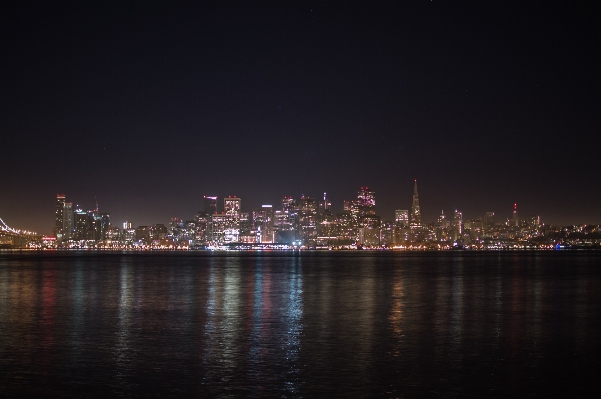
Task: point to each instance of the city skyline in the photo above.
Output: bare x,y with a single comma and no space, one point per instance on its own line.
149,106
413,216
45,226
309,223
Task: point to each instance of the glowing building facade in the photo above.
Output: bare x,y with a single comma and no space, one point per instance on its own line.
416,215
58,216
308,220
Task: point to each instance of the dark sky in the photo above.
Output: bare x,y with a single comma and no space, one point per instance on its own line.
150,106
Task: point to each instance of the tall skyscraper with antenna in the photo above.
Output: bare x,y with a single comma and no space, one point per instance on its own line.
416,216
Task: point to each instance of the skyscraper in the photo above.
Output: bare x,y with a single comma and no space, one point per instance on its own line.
308,220
83,228
231,207
285,221
369,230
416,216
366,202
58,216
263,224
210,205
489,220
458,221
105,225
67,220
401,217
325,205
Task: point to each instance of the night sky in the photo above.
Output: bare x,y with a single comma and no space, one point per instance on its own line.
150,106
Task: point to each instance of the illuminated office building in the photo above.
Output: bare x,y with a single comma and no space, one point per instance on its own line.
366,202
401,217
369,231
285,221
489,220
515,221
105,225
58,216
83,228
458,222
158,232
232,206
263,224
308,220
129,234
203,227
325,205
387,233
219,227
210,205
442,219
282,221
143,235
348,206
67,220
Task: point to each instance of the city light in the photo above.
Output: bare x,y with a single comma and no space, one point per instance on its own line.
307,224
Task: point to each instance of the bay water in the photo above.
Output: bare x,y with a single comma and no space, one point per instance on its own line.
310,324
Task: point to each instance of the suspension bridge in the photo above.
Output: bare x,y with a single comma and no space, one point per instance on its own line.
14,238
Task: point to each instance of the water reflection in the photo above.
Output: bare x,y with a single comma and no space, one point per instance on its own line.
123,349
398,304
244,325
47,316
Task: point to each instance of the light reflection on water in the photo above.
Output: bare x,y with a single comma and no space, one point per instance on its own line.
310,325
